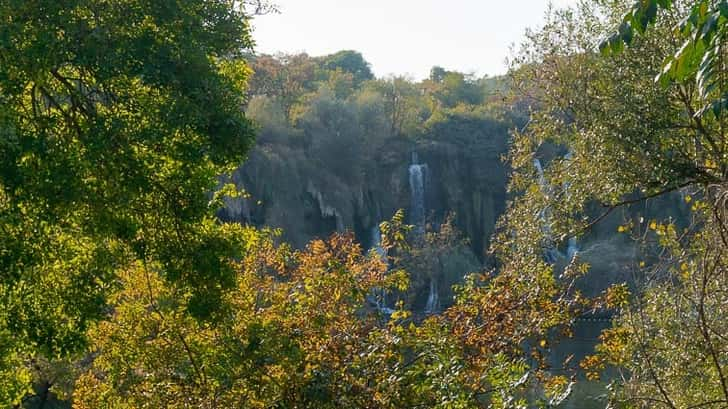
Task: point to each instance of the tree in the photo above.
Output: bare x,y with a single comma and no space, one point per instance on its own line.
296,333
334,132
285,77
450,88
351,62
116,121
633,139
437,74
293,326
404,106
670,338
702,30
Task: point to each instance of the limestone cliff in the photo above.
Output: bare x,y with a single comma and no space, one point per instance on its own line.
310,193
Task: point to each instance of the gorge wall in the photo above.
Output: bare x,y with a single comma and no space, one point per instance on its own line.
310,192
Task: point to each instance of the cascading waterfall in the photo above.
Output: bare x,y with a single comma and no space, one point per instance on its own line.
417,176
379,295
572,246
433,298
377,241
417,181
539,172
551,254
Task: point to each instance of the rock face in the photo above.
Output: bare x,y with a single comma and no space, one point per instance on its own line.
311,194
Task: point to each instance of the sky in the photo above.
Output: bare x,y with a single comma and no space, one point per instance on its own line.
404,37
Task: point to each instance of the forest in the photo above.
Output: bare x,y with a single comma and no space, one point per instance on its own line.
186,222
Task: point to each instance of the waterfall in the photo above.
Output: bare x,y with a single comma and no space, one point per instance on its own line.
433,298
541,177
572,246
378,296
377,241
417,182
551,254
417,175
379,293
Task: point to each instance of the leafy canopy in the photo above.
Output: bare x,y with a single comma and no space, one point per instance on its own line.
116,119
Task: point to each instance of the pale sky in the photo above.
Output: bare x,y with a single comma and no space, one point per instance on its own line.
404,37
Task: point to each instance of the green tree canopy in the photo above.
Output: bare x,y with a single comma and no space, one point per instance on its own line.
349,61
116,120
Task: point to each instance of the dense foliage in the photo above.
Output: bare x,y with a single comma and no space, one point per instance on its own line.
640,122
117,119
